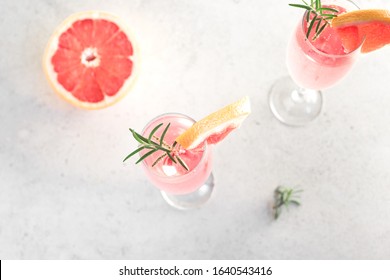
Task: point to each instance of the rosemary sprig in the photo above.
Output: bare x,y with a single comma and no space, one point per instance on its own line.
155,144
317,16
284,197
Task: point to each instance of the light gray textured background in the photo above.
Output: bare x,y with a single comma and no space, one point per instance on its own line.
65,194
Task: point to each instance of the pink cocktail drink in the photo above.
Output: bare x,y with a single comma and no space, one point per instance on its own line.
174,178
320,63
315,62
175,152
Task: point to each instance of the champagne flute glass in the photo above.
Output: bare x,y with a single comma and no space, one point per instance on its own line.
313,65
181,188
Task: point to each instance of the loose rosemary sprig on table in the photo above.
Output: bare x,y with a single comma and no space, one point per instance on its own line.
321,16
155,144
284,197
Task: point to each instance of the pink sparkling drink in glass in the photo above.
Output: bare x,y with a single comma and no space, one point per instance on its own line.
181,188
318,64
314,63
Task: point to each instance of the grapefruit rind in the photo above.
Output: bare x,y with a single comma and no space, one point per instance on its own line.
52,47
361,16
221,121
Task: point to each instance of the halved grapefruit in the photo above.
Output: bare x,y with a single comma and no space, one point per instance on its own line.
216,126
90,59
372,26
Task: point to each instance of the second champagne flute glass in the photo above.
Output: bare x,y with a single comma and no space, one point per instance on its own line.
314,63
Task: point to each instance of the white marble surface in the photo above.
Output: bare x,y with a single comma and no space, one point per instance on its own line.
65,194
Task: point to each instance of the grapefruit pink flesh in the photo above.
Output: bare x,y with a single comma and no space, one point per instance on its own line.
218,137
93,59
372,27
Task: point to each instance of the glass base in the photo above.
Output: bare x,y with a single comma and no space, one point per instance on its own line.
191,200
293,105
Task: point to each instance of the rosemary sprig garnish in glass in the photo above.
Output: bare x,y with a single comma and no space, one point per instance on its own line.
284,197
317,16
154,144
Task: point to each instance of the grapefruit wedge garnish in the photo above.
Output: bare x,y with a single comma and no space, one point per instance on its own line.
89,60
372,27
215,126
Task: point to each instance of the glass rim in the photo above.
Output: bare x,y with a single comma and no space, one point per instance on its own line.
357,49
205,151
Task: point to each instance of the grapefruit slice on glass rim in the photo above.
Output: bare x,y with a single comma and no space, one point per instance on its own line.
371,25
90,60
216,126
